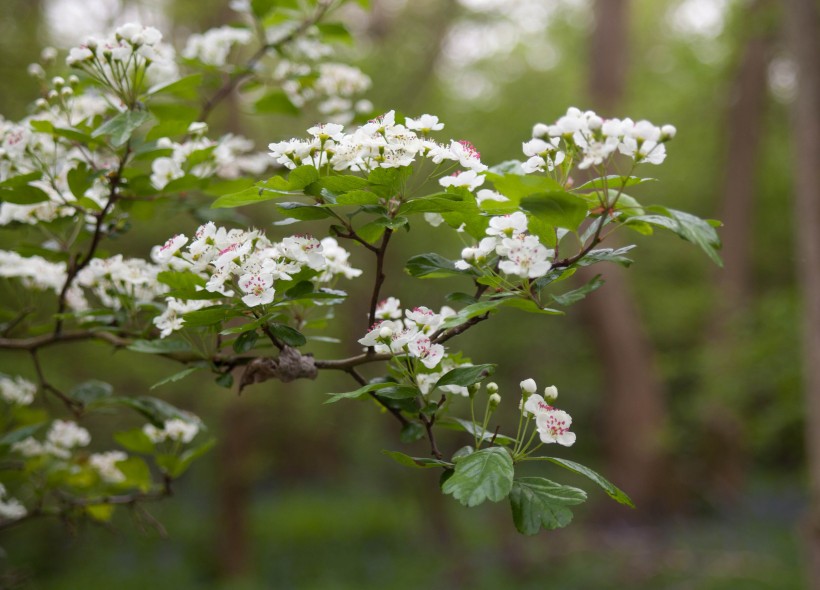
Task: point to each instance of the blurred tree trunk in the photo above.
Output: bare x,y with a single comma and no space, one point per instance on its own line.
634,409
745,115
803,20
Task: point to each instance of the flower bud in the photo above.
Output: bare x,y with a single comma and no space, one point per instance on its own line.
52,94
385,332
528,386
595,122
36,71
540,130
73,80
668,132
550,393
468,254
492,387
495,399
58,81
48,55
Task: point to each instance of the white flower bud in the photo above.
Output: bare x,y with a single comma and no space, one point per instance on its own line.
492,387
551,393
48,54
385,332
58,81
595,122
540,130
468,253
73,80
528,386
36,71
495,399
668,132
52,94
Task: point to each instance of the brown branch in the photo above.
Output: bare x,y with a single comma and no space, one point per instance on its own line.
362,381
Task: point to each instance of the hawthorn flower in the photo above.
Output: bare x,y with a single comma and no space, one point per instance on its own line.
508,225
17,390
106,465
425,319
469,179
259,289
389,309
425,124
524,256
528,386
67,435
175,429
428,353
164,253
10,508
553,427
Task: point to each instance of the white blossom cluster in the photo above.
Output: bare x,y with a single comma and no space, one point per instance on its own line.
132,51
111,279
176,430
16,390
38,273
105,464
213,46
408,333
10,508
62,437
332,86
521,254
591,140
229,157
246,261
23,151
551,424
380,143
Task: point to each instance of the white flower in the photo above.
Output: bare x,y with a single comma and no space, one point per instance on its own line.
181,430
11,508
468,179
535,404
428,353
164,253
17,390
508,225
425,319
67,435
553,427
106,465
425,124
389,309
259,289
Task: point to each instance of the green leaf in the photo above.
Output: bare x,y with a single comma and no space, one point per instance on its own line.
135,441
159,346
398,392
484,475
473,310
303,211
100,512
466,376
20,434
136,472
185,459
181,280
80,179
302,176
537,502
156,410
120,127
21,180
249,196
23,195
607,255
611,489
245,341
276,102
341,184
578,294
358,197
612,182
516,186
411,432
91,391
359,392
453,423
418,462
185,88
288,335
528,305
440,203
558,208
371,232
431,266
209,316
692,229
175,377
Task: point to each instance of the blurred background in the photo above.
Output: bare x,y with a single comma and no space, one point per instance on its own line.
684,380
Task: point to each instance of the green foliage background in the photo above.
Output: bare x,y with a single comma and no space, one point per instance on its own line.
327,510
